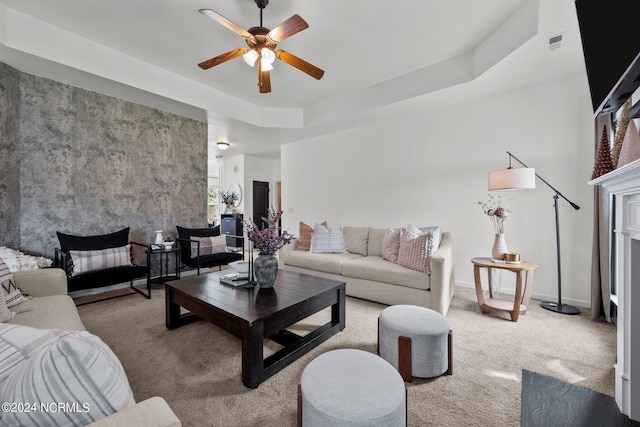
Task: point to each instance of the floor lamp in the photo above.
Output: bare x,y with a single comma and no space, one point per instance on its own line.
525,179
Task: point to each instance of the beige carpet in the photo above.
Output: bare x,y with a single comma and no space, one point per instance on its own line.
196,368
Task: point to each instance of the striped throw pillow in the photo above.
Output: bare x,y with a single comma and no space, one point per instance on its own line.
84,261
49,367
5,314
208,245
12,295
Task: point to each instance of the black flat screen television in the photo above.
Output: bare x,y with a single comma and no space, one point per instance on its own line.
610,32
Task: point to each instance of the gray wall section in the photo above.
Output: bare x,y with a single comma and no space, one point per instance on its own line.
93,164
9,156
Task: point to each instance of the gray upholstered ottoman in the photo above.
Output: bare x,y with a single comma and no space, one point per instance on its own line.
351,388
416,341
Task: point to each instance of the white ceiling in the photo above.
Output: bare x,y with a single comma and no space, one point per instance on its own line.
379,58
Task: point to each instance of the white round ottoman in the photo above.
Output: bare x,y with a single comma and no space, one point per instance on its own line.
416,341
350,387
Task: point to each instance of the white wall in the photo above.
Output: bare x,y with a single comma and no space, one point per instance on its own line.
431,169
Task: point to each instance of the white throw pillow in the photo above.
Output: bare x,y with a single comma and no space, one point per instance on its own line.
48,367
328,239
84,261
11,294
436,234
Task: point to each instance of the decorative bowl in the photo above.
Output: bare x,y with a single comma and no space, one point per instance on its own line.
167,245
242,267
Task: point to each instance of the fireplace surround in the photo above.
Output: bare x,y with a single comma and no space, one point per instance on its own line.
624,184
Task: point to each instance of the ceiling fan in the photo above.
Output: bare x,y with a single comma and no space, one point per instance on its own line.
262,44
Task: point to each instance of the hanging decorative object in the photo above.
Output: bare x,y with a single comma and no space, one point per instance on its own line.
604,164
621,131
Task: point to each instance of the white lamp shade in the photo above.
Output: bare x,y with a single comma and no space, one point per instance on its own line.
512,179
250,57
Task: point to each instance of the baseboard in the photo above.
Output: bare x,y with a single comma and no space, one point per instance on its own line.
507,290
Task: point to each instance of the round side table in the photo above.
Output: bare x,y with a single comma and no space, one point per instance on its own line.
523,287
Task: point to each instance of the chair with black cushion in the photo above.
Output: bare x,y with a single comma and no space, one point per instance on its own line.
205,248
100,260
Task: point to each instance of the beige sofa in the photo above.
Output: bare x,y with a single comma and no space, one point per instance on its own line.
54,309
369,276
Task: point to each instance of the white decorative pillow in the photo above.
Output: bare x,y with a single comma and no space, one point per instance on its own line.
415,251
435,231
328,239
208,245
11,294
84,261
19,261
76,368
5,314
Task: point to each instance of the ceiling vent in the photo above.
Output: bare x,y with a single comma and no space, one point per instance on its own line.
554,42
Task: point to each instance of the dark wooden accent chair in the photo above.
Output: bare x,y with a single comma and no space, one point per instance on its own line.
197,258
96,278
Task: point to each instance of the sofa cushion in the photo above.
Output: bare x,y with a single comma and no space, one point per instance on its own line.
327,239
84,261
52,312
415,251
5,314
378,269
391,245
357,239
374,244
51,366
11,293
89,243
328,263
208,245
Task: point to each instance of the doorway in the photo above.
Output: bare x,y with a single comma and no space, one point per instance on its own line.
260,202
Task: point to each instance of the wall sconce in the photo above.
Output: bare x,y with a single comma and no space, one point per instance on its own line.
222,145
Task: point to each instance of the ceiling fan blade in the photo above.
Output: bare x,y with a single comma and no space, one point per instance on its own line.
264,79
293,25
224,21
205,65
300,64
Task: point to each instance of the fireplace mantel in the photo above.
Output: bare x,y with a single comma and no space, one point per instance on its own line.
624,183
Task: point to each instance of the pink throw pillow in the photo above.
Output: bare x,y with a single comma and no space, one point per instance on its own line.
415,251
391,245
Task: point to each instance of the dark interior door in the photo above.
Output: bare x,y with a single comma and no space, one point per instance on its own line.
260,202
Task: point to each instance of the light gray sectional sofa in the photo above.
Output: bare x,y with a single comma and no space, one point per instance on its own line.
369,276
53,309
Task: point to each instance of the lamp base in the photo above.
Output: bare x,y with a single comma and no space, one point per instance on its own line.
559,308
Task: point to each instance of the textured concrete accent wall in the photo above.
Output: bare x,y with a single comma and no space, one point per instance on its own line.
9,156
93,164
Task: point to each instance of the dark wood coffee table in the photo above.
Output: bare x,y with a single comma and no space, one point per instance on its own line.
255,314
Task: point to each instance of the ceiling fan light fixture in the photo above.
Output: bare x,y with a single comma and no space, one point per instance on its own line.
267,56
250,57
